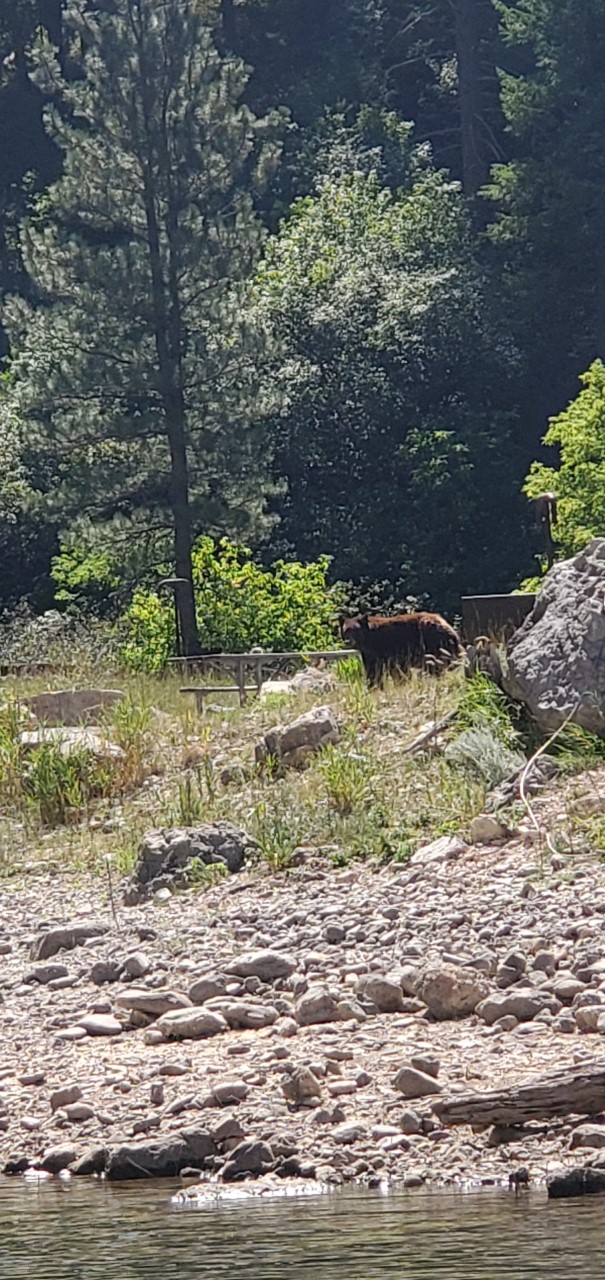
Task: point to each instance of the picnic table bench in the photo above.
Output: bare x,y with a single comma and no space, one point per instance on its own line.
238,664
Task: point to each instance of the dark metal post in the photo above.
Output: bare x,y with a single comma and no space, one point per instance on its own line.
173,585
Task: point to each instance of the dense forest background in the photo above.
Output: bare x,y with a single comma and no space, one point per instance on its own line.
377,269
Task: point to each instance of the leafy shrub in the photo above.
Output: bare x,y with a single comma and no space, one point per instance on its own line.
484,754
483,705
579,481
240,605
68,641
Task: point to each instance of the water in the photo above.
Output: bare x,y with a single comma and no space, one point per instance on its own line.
92,1231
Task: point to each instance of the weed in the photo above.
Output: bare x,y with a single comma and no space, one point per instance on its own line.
482,703
59,787
346,777
190,804
277,829
205,875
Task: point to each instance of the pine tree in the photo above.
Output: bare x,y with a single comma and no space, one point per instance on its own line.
136,371
550,202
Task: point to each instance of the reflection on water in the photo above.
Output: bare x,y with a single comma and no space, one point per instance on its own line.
94,1231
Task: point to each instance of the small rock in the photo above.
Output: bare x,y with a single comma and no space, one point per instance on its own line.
450,992
190,1024
77,1112
266,965
65,938
65,1097
415,1084
385,993
301,1086
45,973
251,1156
154,1003
350,1131
588,1135
486,829
55,1159
523,1005
136,964
101,1024
316,1006
445,849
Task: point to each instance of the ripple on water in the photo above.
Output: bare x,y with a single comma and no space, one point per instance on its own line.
99,1231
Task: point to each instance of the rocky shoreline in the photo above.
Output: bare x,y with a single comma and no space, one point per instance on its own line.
302,1025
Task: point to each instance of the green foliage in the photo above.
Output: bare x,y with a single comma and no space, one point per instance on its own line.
347,777
133,384
150,632
59,788
579,481
277,829
489,745
45,784
397,440
240,605
482,752
482,703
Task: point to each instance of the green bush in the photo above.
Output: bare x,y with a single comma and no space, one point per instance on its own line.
579,480
240,605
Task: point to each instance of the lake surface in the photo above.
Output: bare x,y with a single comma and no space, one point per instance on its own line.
92,1231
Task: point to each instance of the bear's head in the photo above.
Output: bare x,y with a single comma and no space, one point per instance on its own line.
353,629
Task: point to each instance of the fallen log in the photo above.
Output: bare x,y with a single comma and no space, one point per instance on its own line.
570,1091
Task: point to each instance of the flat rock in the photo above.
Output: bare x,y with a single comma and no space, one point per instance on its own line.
445,849
215,1195
161,1158
415,1084
71,706
522,1005
65,938
153,1002
588,1135
243,1014
191,1024
101,1024
70,741
266,965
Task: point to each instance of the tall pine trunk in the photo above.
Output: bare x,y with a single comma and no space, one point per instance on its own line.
475,158
166,324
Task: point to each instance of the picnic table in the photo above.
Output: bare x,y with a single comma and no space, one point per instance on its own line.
260,664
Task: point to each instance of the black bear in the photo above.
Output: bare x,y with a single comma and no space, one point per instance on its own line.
398,643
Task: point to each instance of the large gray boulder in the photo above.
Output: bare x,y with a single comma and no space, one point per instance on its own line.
556,660
292,744
72,706
166,856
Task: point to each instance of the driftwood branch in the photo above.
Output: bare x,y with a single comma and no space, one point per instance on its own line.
436,727
571,1091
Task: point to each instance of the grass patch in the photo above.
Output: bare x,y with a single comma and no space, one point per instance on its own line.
363,798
